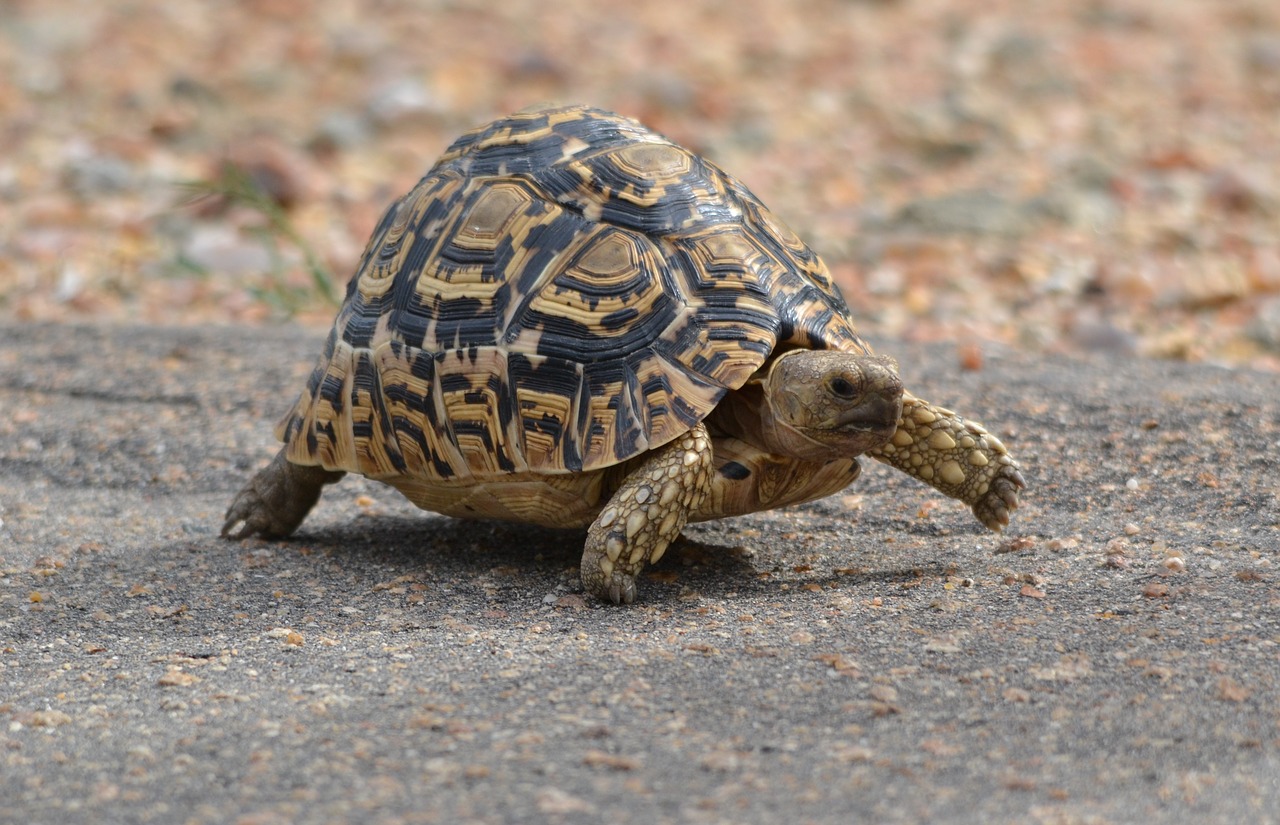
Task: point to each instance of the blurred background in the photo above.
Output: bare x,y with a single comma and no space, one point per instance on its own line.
1061,175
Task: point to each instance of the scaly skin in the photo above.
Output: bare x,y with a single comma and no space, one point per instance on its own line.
645,514
276,500
956,457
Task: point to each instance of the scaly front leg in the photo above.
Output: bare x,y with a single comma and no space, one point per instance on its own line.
645,514
956,457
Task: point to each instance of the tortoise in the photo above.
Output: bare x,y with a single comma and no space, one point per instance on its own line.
572,321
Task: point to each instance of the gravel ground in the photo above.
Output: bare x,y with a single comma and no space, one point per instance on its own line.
1057,176
872,657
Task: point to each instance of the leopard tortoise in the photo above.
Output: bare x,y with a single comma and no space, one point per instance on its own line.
571,321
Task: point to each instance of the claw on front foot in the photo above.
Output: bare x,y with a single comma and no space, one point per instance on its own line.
605,574
622,588
993,509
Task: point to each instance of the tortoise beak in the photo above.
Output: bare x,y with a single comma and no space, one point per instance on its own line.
877,414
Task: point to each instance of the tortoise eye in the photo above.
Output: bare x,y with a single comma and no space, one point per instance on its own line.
842,387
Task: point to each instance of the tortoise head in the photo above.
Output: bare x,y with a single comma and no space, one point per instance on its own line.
821,405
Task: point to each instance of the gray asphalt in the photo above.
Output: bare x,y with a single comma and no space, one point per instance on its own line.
872,657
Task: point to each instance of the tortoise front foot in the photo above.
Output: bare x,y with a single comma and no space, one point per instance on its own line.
276,500
644,515
618,585
1001,498
958,458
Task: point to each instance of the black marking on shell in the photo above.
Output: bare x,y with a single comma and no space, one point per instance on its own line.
455,382
553,376
322,429
628,423
422,366
657,384
367,374
619,319
331,390
687,414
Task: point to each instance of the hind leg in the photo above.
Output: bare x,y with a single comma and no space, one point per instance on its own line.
276,500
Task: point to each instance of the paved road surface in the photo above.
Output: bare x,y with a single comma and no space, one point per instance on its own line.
872,657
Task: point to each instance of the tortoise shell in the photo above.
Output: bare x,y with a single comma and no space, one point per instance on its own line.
563,291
